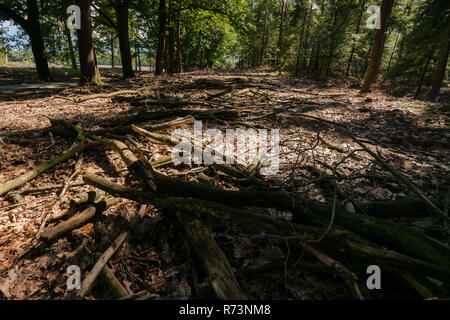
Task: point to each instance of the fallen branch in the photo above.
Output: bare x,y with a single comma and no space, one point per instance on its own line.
30,175
76,221
385,166
213,260
116,288
90,278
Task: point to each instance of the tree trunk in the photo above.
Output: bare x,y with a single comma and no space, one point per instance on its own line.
179,48
305,47
37,43
124,40
377,46
138,56
264,38
424,72
112,51
300,47
280,34
392,54
171,39
71,51
161,38
358,26
442,64
333,40
88,66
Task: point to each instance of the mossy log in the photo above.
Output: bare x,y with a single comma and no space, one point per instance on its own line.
30,175
212,258
335,239
402,239
115,287
397,208
392,235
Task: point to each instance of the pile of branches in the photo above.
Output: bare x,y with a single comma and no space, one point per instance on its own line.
345,241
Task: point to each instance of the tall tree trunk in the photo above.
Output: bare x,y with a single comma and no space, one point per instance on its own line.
179,65
112,51
280,34
424,72
392,54
171,40
122,7
37,43
442,64
70,45
300,47
32,27
159,64
264,38
333,40
377,47
305,47
139,56
136,64
358,26
88,66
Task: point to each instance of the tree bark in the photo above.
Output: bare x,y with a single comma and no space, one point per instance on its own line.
300,47
112,51
88,66
442,64
161,38
32,27
377,47
280,34
122,7
179,64
358,26
424,72
171,40
70,45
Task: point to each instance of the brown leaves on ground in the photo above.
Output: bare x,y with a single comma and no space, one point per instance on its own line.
411,135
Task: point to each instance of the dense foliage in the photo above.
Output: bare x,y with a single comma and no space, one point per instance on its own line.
320,38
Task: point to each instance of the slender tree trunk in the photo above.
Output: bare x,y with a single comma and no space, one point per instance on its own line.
139,56
333,39
280,34
70,45
300,47
112,51
377,47
161,38
179,64
88,66
392,54
265,37
171,58
358,26
424,72
305,47
136,64
442,64
122,8
197,53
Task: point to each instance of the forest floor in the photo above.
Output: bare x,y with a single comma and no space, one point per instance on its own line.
413,136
